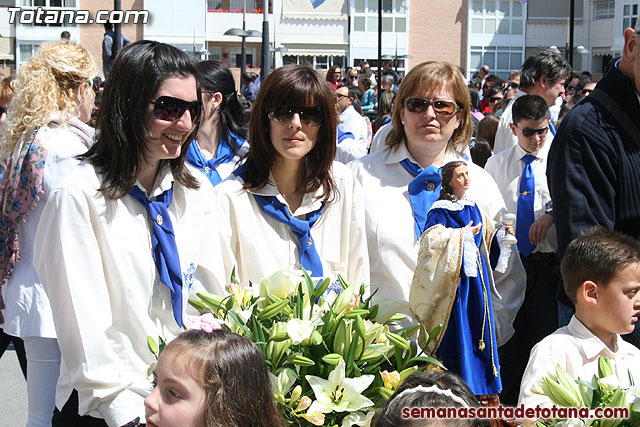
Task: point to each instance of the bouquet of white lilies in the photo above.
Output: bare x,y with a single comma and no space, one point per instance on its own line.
601,402
334,357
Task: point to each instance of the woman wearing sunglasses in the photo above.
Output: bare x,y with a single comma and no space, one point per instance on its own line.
125,237
45,130
289,205
222,134
431,126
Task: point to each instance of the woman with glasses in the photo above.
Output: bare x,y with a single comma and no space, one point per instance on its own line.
334,76
126,237
289,206
44,131
222,134
431,126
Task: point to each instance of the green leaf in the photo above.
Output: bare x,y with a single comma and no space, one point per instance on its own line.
233,276
321,288
153,346
352,348
240,323
299,302
309,282
428,359
199,305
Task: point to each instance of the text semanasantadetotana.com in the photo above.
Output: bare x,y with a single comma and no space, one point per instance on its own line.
519,412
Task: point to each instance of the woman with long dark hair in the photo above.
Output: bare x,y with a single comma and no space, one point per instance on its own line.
290,206
222,135
126,236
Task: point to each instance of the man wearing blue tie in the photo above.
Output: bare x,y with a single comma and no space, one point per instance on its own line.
520,175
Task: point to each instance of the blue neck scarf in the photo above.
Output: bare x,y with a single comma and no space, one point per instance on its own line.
274,208
224,154
342,135
164,248
424,189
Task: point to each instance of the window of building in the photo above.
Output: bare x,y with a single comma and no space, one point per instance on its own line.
250,56
365,17
235,6
629,16
603,9
501,59
319,62
503,17
27,50
68,8
215,53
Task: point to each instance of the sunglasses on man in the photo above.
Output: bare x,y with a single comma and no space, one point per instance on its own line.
495,98
170,109
528,132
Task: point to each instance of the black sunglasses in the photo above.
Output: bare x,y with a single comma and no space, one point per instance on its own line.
311,116
514,85
528,132
442,107
586,92
495,98
572,88
169,108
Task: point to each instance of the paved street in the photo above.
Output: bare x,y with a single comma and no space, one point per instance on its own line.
13,392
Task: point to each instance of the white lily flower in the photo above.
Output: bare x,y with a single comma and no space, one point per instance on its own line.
299,330
283,382
610,382
358,419
282,283
338,393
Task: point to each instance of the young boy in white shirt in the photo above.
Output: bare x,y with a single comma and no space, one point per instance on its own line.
520,173
601,274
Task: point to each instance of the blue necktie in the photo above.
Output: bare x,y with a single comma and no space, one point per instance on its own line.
224,154
274,208
424,189
552,128
163,246
525,216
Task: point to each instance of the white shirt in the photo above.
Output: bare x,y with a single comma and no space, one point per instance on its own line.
349,149
506,169
258,245
27,312
393,246
225,169
94,257
576,349
352,121
380,138
505,138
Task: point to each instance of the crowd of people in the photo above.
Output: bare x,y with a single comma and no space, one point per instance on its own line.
507,211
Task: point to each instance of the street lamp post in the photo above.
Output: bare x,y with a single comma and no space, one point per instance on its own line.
243,34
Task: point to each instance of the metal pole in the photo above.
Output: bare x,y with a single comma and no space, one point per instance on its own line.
117,30
379,47
243,49
266,54
572,17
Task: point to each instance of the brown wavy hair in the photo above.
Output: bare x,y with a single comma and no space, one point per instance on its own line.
424,78
234,375
303,87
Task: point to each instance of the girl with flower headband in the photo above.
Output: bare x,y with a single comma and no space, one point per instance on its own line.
45,130
458,293
211,379
222,134
437,390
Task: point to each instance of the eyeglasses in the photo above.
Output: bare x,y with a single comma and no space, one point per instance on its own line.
442,107
528,132
311,116
353,77
514,85
487,86
340,96
169,108
495,98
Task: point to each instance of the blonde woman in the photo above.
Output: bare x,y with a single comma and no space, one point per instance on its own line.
45,131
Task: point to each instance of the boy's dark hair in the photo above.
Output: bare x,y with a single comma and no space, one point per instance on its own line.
545,63
529,107
494,80
596,255
494,90
480,151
